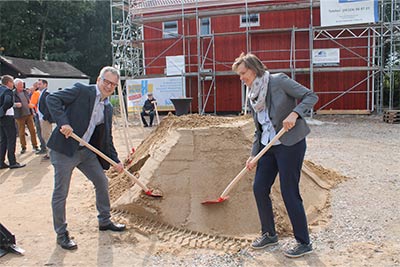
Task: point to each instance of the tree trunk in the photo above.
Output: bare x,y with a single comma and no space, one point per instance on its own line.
42,39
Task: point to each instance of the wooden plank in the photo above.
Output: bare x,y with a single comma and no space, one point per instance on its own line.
343,112
321,183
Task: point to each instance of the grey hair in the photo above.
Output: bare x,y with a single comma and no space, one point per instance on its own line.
250,61
109,69
18,80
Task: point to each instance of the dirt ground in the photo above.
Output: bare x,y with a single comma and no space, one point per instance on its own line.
362,228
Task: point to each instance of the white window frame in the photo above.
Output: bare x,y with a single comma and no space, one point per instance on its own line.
170,32
201,26
243,22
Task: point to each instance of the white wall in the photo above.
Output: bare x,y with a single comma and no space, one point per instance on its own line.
56,83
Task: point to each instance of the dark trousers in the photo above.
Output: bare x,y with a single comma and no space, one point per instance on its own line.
39,132
287,161
8,139
151,114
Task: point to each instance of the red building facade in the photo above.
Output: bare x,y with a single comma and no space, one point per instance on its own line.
210,38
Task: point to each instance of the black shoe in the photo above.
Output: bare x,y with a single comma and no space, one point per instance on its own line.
23,150
45,157
41,151
298,250
4,166
65,242
146,125
116,227
36,149
17,165
264,241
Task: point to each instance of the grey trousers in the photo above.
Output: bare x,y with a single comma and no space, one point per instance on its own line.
86,161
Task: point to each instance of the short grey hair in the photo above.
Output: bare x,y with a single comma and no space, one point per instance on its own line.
109,69
18,80
250,61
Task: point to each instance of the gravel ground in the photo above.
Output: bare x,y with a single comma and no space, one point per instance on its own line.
365,207
363,230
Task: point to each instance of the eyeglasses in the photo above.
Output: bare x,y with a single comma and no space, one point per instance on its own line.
107,82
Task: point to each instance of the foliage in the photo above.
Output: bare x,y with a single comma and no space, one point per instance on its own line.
77,32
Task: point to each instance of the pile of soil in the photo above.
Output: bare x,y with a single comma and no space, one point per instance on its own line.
193,158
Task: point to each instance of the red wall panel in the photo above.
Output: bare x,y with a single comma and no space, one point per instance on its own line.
273,48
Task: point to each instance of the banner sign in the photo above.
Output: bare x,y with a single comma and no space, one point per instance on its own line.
175,65
345,12
162,88
328,56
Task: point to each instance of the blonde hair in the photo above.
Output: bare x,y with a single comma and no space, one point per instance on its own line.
250,61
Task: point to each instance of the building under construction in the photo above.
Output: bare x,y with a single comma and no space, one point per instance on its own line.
348,66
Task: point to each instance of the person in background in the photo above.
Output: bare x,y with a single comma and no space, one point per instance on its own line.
148,110
86,111
276,102
44,114
23,114
8,132
33,103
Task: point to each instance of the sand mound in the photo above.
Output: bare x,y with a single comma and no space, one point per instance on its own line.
193,158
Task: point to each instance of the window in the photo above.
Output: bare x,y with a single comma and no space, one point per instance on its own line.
170,29
205,26
250,20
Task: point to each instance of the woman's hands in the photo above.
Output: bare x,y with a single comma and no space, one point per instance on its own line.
250,165
290,121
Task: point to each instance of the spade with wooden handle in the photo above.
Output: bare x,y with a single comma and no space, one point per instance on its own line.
147,191
224,196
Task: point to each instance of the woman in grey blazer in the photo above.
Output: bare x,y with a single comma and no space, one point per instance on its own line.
277,102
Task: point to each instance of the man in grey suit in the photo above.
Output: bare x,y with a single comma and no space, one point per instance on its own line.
86,111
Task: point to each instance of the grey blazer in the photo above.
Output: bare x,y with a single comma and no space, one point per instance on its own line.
282,95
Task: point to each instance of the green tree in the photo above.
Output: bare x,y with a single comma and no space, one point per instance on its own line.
77,32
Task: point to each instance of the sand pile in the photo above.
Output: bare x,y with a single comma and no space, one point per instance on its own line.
193,158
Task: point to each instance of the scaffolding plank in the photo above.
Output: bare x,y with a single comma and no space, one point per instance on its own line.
344,112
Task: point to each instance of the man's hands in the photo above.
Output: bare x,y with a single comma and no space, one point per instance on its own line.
66,130
119,167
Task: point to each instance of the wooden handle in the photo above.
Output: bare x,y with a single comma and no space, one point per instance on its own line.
155,108
254,160
113,163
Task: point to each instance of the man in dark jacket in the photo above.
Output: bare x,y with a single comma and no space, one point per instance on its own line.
45,118
8,133
23,114
148,110
86,111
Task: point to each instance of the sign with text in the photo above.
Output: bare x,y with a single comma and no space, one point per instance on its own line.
347,12
328,56
162,88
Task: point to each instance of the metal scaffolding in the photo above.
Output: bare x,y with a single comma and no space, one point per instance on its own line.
383,39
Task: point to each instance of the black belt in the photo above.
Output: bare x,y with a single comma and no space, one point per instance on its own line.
81,147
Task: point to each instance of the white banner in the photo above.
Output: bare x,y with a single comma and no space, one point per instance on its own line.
175,65
328,56
162,88
345,12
